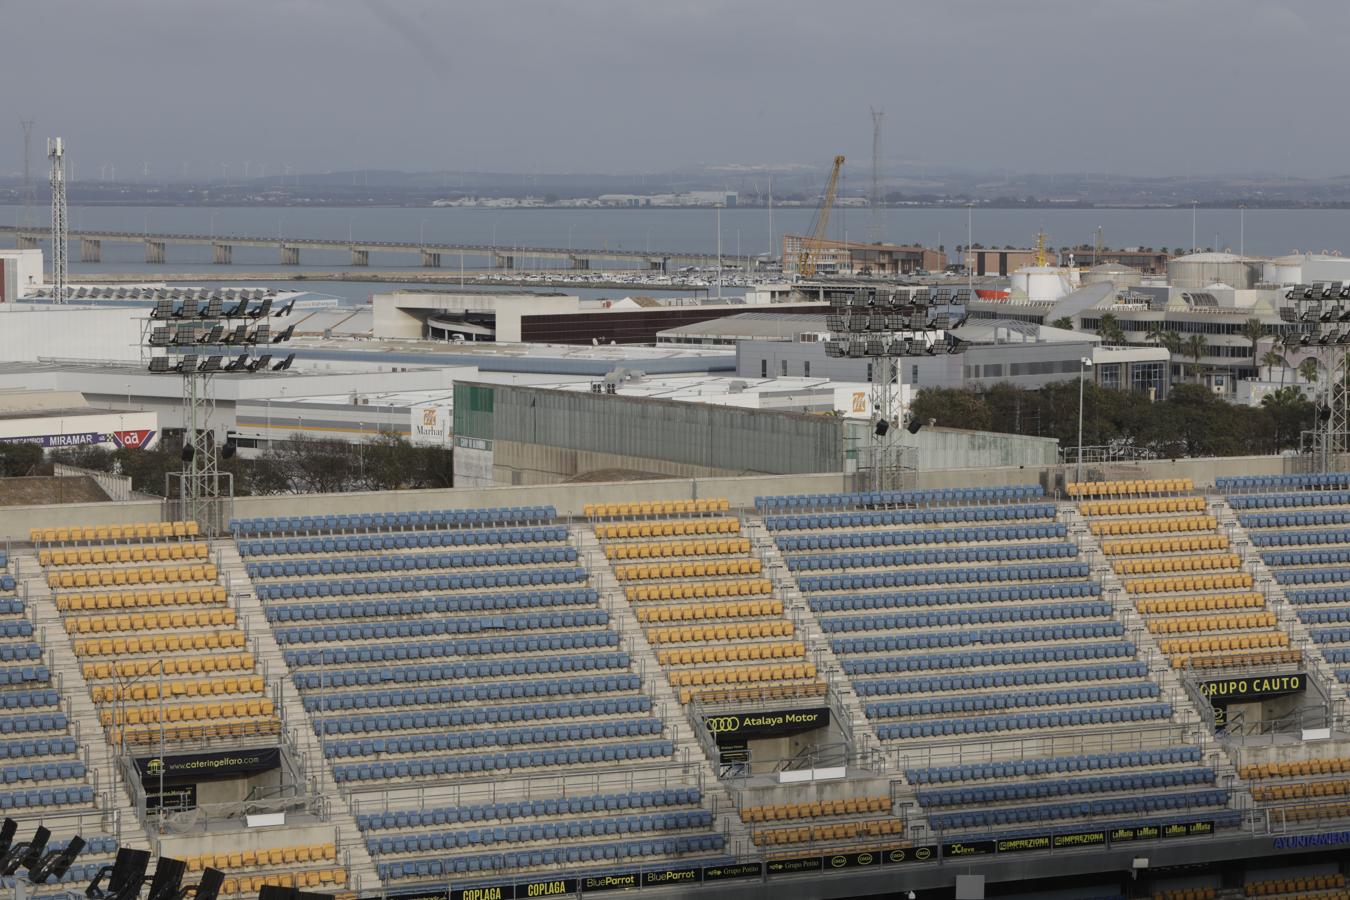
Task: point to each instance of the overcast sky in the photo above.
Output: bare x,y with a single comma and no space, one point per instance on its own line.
1123,86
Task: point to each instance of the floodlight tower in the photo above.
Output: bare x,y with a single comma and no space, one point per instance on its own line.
56,153
229,333
1322,311
878,213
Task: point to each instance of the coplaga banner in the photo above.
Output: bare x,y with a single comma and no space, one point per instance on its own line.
209,765
737,727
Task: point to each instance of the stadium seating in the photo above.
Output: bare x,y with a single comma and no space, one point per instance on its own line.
989,628
1302,512
1191,590
467,644
707,612
161,647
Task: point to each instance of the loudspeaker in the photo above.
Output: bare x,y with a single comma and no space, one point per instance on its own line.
168,878
913,426
227,449
1324,413
125,876
27,855
206,889
882,427
55,863
7,835
277,892
188,453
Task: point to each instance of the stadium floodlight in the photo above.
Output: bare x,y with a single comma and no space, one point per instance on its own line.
124,877
54,864
208,888
25,855
168,879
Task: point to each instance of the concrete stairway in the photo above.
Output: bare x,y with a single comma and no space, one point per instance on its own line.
59,655
362,876
688,748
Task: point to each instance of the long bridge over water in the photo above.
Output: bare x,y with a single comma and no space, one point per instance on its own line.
431,254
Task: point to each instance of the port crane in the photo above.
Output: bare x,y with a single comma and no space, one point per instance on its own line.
806,257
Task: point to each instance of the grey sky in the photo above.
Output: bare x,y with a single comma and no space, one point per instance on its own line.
1125,86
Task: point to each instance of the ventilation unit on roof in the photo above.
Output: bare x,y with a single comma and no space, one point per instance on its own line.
736,387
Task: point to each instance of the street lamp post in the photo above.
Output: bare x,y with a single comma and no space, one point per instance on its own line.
1084,363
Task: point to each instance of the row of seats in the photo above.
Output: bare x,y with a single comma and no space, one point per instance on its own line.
842,806
734,631
192,665
1295,520
439,868
1302,538
1223,643
24,674
416,584
15,629
441,518
790,544
1199,563
1004,679
827,834
1198,603
895,709
20,652
492,737
30,699
82,578
45,797
1038,634
482,715
1300,790
933,516
697,612
503,762
698,656
273,856
883,499
1306,557
56,771
1111,527
458,693
1059,765
740,587
508,810
1185,624
667,528
1323,595
587,640
446,841
665,549
1271,886
1288,500
56,746
1019,657
1024,721
172,643
1313,481
143,621
193,596
138,531
1065,787
151,690
741,674
374,543
1179,584
699,569
1313,576
1166,545
1082,809
931,557
371,676
647,508
447,604
953,597
985,575
139,553
352,565
34,722
1129,488
408,628
251,885
1143,507
985,616
187,712
1296,768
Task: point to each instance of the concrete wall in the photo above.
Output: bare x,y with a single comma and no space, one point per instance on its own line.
955,448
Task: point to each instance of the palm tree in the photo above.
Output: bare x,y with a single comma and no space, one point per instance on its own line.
1253,330
1155,336
1172,341
1272,358
1196,348
1110,330
1063,322
1309,369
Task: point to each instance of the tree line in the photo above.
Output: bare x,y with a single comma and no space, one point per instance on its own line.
1190,421
300,464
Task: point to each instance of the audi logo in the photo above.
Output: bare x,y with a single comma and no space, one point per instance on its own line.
722,724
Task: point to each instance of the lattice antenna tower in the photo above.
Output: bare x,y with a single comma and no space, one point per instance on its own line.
56,153
878,212
29,195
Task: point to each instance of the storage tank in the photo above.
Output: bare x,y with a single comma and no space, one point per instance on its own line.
1044,284
1117,274
1287,269
1196,270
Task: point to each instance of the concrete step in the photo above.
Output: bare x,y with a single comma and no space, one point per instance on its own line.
362,876
119,819
690,748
